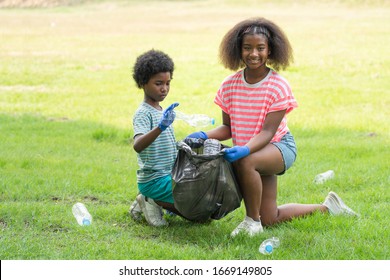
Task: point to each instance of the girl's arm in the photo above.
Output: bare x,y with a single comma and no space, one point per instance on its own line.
271,124
223,131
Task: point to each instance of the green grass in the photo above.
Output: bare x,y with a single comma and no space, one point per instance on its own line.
67,98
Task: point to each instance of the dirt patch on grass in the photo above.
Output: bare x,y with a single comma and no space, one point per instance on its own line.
37,3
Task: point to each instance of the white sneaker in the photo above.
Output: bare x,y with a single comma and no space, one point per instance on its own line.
336,205
152,212
135,211
249,226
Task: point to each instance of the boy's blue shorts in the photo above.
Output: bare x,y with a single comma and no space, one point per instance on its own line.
159,189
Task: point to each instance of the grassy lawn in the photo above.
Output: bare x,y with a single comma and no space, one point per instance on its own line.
67,99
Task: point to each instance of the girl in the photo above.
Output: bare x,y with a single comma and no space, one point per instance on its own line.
254,102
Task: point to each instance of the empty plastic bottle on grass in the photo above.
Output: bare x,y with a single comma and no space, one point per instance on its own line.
268,245
81,214
195,120
322,177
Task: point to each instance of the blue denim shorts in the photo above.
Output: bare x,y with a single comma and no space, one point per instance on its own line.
288,149
159,189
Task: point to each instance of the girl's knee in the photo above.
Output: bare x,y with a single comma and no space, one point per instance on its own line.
244,164
267,221
270,218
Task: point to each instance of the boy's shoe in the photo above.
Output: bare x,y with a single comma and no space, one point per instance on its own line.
336,205
249,226
135,211
169,213
152,212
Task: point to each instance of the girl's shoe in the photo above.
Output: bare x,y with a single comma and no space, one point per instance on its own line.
336,205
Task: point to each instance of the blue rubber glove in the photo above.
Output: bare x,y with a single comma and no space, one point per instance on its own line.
196,139
198,135
235,153
168,117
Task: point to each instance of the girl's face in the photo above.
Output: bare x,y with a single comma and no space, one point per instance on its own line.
255,51
157,88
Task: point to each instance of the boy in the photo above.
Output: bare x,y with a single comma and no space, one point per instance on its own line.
154,139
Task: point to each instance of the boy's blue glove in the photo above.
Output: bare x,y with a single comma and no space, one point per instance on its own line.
198,135
168,117
235,153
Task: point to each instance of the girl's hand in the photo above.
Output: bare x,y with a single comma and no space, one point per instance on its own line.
196,139
198,135
235,153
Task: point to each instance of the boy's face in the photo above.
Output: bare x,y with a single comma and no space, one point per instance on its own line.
157,88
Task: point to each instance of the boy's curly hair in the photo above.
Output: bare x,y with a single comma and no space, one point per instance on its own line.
149,64
230,48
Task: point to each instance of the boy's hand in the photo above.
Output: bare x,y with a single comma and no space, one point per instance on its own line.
235,153
168,117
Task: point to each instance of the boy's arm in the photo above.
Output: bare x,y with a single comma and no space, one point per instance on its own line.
142,141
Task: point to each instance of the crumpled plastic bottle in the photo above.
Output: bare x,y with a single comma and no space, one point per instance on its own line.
268,245
195,120
323,177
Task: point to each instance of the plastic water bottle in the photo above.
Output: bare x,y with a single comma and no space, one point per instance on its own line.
195,120
322,177
81,214
268,245
211,147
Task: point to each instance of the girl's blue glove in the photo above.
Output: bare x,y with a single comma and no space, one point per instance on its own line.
235,153
196,139
168,117
198,135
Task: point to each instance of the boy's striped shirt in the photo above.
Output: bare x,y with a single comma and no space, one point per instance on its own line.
156,160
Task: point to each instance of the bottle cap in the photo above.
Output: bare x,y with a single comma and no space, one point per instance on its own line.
86,222
268,248
212,121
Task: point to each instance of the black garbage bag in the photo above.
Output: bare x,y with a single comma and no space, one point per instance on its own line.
204,186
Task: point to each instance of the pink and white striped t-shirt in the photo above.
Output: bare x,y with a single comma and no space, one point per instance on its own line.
248,104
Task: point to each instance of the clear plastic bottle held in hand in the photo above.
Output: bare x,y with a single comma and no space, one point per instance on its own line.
323,177
195,120
268,245
81,214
